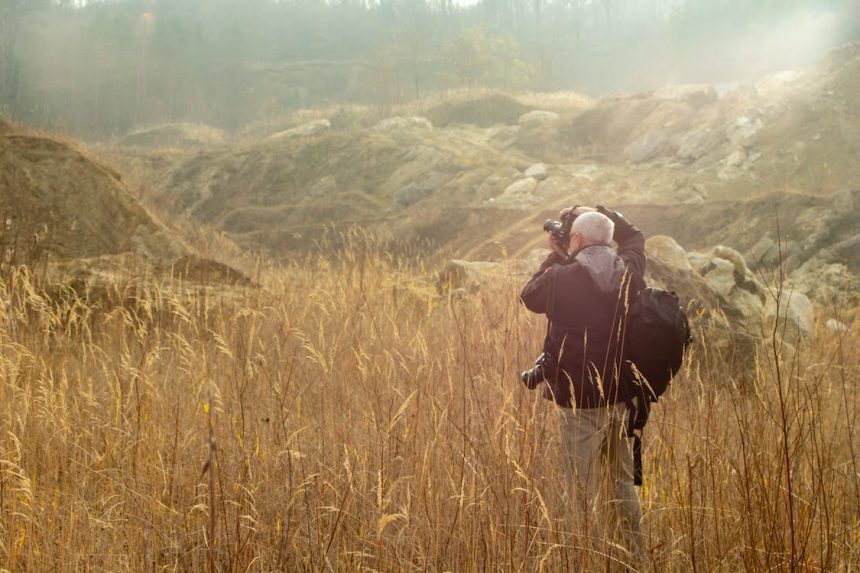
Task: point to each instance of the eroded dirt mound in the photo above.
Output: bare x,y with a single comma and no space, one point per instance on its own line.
175,136
54,199
285,195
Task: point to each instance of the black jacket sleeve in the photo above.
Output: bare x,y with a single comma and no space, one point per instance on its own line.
536,291
631,244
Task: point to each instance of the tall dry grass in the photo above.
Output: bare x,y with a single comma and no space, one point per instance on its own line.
345,417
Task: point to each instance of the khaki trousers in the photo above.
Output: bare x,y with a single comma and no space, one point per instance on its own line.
597,457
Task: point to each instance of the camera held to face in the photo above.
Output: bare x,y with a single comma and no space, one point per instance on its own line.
560,230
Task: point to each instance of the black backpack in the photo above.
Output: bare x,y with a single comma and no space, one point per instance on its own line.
656,338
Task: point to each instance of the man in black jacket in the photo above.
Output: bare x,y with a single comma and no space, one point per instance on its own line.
583,288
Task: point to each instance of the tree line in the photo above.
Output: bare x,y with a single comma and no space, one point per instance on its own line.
103,67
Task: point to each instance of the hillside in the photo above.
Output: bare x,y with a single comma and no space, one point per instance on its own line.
705,165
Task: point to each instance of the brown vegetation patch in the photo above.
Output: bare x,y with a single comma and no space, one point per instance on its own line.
207,271
484,111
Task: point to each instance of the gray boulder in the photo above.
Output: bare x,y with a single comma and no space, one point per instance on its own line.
537,171
793,316
667,250
742,130
519,194
725,271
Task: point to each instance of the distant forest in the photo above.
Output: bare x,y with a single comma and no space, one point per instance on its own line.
98,68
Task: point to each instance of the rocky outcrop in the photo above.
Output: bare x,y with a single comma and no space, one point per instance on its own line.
791,315
537,118
403,123
519,194
668,251
726,272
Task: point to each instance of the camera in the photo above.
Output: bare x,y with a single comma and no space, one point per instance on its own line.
537,374
560,230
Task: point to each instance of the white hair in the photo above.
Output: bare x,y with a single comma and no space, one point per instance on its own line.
595,228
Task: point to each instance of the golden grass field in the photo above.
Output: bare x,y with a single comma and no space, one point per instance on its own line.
342,416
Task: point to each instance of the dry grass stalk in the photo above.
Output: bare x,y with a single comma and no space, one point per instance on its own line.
365,423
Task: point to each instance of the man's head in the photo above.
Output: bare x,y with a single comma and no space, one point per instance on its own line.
591,228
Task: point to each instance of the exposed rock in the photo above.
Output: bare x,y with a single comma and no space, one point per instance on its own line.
731,255
398,123
727,274
693,195
696,94
503,136
650,146
736,158
552,187
699,261
418,190
764,252
830,284
537,117
537,171
794,313
305,130
489,187
518,194
743,129
720,276
693,145
667,250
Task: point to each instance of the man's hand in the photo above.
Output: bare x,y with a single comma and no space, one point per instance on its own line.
554,246
578,210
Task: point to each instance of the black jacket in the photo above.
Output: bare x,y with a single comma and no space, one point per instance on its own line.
585,299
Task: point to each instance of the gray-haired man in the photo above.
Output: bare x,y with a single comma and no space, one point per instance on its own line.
583,288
